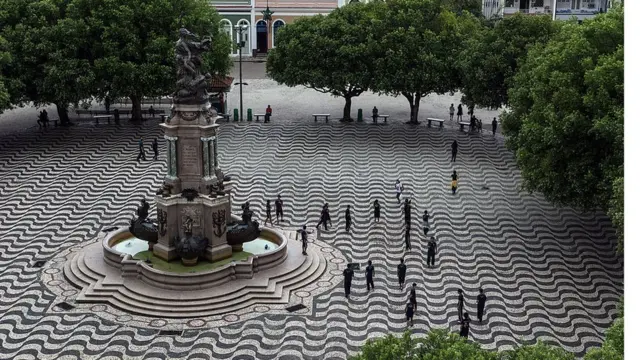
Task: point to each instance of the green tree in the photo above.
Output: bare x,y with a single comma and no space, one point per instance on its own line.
416,40
616,211
48,63
489,60
330,54
459,6
539,351
567,111
613,346
131,44
5,58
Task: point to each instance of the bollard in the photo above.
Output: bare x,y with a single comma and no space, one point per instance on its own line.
236,115
359,115
249,115
225,109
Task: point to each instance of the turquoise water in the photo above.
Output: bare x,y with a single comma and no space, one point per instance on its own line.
256,247
131,246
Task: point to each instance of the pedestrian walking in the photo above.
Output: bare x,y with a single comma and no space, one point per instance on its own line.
407,212
454,182
402,272
152,112
465,324
413,297
268,213
399,189
154,146
324,217
407,238
432,248
279,212
267,114
482,299
454,150
460,305
304,236
348,276
369,272
480,125
494,126
460,112
409,313
425,222
376,211
141,152
347,218
375,114
452,111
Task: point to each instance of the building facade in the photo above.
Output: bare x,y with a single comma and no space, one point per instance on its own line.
260,35
564,9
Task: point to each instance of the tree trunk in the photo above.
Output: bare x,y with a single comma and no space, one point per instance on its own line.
63,114
414,104
346,113
136,108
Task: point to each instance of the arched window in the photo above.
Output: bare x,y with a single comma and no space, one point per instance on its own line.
226,28
246,36
276,25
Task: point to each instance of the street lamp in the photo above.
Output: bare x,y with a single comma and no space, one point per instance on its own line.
240,29
266,16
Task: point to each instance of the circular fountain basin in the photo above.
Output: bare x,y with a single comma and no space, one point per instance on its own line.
120,246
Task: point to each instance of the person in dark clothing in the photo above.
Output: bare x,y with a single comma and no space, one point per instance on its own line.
376,211
152,112
348,276
141,153
324,217
472,123
413,297
267,114
304,236
425,222
43,119
465,325
279,212
154,146
454,150
454,182
402,272
460,304
407,238
460,112
375,114
409,313
269,214
471,108
407,212
432,248
482,299
494,126
347,218
369,272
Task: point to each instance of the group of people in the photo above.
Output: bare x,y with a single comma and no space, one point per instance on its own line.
43,118
141,152
475,124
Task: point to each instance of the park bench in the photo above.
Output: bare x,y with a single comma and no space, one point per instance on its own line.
326,117
463,124
225,116
258,116
97,118
429,120
83,112
55,122
385,117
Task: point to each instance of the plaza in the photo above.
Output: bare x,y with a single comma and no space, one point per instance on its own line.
549,273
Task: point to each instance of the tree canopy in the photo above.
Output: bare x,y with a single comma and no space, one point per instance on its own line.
566,123
416,42
5,58
330,54
489,59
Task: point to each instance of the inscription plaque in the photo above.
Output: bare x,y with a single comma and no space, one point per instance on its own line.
189,160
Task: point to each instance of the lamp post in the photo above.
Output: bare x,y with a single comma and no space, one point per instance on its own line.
240,29
266,16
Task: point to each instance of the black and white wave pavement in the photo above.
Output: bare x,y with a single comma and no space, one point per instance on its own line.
549,273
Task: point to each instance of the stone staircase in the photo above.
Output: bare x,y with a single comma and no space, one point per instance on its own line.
136,297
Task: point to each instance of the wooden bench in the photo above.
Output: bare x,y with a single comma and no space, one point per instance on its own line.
155,112
97,118
84,112
225,116
326,117
164,118
258,116
463,124
385,117
55,122
429,120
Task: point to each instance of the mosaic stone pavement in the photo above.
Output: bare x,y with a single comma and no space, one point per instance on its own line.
549,273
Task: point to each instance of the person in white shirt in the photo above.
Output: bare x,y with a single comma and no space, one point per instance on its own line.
399,189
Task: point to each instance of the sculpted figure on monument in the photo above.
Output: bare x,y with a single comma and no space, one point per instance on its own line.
141,227
192,84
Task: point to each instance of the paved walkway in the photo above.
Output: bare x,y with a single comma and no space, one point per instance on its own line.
549,273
